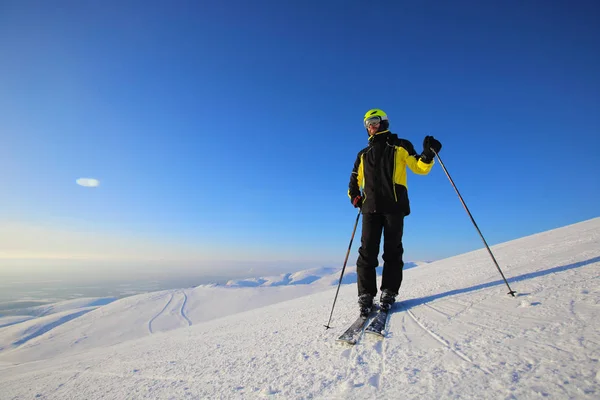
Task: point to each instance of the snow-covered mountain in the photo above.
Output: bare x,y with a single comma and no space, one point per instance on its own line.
324,276
454,334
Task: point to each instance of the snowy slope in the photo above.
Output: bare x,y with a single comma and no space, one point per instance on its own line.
323,276
134,317
455,334
73,304
145,314
298,278
53,308
18,334
13,319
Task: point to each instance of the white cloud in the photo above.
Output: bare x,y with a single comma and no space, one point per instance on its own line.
88,182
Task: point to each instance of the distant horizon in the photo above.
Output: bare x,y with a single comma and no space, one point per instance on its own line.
74,269
20,291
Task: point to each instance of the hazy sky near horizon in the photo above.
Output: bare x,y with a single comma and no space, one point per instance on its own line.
225,133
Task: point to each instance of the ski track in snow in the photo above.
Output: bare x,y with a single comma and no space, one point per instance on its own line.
171,313
446,344
368,365
182,309
367,360
159,313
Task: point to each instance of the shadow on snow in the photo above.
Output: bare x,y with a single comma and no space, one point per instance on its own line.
407,304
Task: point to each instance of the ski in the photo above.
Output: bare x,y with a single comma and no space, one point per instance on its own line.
377,326
353,333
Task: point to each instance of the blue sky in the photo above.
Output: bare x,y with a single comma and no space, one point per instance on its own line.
224,133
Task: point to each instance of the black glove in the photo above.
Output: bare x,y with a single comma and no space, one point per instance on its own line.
357,201
430,144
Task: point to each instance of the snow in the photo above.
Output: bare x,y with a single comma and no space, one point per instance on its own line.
315,276
455,333
13,319
73,304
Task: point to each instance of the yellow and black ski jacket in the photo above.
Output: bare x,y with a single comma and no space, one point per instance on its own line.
380,171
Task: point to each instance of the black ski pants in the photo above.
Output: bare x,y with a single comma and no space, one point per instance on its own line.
392,226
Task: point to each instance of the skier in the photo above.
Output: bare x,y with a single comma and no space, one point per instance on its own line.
378,187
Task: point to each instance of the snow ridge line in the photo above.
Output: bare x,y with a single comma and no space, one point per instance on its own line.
182,310
446,344
159,313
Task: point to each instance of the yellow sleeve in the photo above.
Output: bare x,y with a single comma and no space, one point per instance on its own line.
417,166
357,178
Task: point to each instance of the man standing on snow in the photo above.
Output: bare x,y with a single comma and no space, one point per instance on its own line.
380,171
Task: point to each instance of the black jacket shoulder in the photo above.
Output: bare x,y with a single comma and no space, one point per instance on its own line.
394,140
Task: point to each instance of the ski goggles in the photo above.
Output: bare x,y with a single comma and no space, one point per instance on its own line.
372,121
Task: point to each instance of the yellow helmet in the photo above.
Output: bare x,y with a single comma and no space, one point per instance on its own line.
376,114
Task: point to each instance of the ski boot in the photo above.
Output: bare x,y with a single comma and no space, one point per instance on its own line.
387,299
365,302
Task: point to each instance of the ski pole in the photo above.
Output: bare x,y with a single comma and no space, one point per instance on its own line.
343,269
511,292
